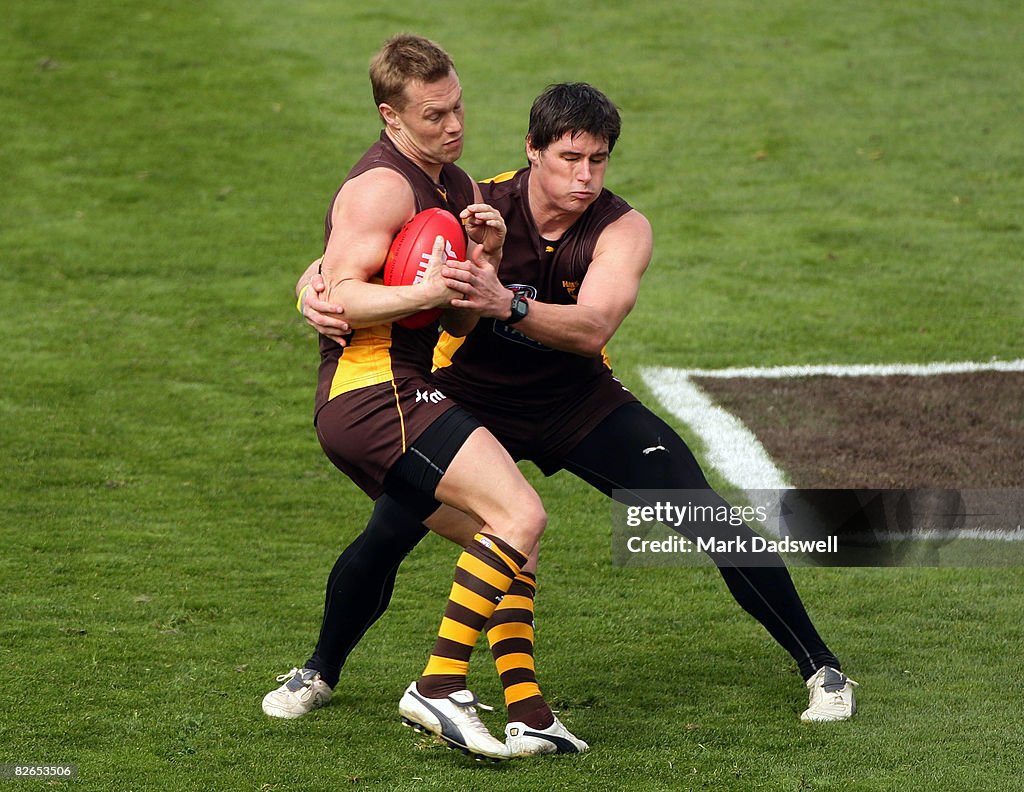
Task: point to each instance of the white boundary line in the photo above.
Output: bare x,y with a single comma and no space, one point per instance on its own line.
865,370
732,448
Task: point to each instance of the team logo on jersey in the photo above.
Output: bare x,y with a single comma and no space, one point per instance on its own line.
510,333
571,287
432,396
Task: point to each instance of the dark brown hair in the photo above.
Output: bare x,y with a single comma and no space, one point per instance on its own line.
573,107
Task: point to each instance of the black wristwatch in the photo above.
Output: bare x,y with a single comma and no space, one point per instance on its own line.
520,308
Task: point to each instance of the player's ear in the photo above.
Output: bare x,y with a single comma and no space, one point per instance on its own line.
387,112
532,154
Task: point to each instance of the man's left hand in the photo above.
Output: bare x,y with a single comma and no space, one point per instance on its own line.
482,292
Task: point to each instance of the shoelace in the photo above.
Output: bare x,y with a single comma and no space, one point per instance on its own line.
474,719
296,672
289,675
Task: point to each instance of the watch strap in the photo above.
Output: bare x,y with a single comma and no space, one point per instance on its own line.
520,308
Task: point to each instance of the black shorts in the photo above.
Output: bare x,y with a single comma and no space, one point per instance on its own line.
542,432
414,477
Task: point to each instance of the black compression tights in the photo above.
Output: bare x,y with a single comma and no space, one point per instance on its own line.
613,457
610,457
360,584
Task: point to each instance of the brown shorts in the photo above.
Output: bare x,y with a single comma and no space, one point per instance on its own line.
365,431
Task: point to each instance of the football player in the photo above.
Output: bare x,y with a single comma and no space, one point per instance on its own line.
533,371
426,454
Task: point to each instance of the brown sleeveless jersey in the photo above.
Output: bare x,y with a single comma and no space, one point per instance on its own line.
387,352
498,364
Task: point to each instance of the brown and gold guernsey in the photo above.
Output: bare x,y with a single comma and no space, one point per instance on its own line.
498,365
387,352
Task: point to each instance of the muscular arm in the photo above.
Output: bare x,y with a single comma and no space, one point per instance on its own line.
368,213
606,296
486,231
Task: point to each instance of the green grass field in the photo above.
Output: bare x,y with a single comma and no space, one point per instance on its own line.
828,182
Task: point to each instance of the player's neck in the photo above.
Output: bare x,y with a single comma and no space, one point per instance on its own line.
432,169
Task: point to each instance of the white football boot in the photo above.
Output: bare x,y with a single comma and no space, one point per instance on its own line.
831,697
523,740
454,720
303,690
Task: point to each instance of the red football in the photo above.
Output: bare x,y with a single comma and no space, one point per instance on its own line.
407,259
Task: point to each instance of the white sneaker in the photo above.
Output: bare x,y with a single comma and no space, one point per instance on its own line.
523,740
454,720
831,696
303,690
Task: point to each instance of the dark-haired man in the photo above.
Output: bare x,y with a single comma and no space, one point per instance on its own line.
533,372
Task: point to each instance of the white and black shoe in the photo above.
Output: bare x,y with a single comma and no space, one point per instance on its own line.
303,690
453,719
832,697
523,740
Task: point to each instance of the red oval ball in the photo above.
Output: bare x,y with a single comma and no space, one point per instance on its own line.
407,259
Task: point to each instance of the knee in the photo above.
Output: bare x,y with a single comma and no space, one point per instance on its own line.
533,519
392,529
528,519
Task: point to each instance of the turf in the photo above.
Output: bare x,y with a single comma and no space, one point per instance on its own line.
827,183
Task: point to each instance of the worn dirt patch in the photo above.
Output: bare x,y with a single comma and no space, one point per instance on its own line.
959,431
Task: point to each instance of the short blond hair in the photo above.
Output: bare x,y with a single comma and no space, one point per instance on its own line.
403,59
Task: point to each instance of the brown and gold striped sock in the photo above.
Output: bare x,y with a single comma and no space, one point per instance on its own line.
510,633
484,572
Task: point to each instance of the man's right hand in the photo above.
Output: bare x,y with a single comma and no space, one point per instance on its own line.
324,317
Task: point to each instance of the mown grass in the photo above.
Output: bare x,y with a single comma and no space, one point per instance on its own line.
827,183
